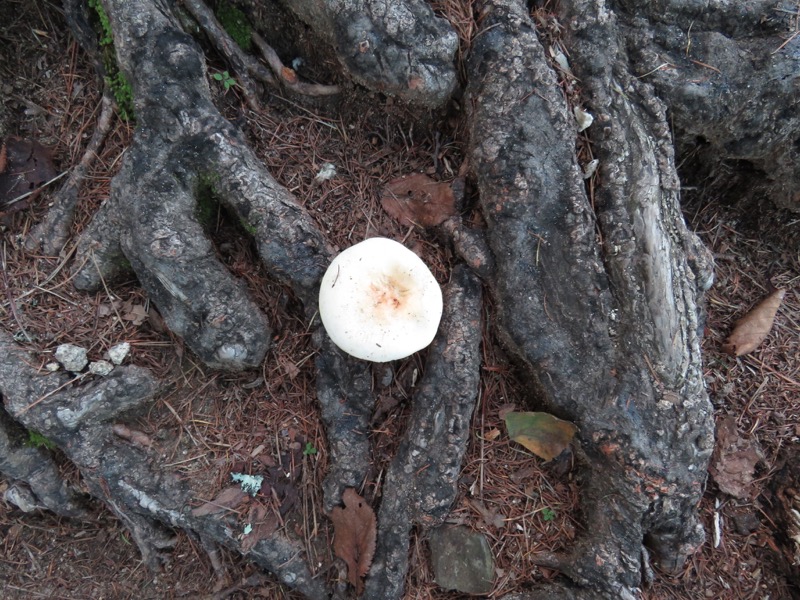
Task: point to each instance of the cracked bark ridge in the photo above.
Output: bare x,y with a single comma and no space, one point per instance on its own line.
422,480
730,72
35,467
151,503
400,48
608,334
181,146
344,392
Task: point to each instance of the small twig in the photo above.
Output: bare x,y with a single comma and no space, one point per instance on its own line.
783,45
53,231
658,68
37,190
11,302
108,292
287,76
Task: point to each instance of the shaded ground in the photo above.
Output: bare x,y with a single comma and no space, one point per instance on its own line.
206,424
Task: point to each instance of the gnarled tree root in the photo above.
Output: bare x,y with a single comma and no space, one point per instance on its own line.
610,338
151,503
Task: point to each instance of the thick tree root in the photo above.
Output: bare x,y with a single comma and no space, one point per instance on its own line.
610,340
184,148
79,420
726,74
399,48
35,466
421,483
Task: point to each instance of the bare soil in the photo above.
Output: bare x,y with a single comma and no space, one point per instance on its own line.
207,423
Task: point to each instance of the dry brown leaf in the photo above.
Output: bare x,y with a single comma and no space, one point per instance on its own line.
735,459
751,329
263,524
135,313
288,367
489,517
419,200
28,166
354,536
229,498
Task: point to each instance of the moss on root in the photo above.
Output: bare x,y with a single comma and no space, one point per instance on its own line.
234,21
115,79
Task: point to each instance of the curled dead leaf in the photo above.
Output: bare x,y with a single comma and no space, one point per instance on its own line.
418,200
754,327
541,433
735,459
354,536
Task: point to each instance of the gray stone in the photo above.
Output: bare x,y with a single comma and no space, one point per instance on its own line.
462,560
100,367
72,358
119,352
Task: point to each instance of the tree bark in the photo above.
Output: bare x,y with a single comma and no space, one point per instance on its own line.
608,332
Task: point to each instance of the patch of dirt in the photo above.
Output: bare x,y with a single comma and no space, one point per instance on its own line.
207,424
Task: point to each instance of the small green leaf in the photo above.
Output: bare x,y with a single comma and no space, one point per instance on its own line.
541,433
217,76
548,514
309,449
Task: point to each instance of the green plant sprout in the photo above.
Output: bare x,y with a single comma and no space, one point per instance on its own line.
37,440
548,514
227,81
309,450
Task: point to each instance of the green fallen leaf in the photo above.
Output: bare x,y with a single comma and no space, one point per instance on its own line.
541,433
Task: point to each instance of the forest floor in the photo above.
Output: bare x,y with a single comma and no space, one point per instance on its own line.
207,423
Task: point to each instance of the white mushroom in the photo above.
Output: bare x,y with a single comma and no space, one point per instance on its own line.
378,301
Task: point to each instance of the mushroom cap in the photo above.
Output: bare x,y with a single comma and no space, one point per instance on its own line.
378,301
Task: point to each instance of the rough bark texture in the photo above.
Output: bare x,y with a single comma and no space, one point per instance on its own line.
184,146
36,468
421,483
726,73
396,47
344,392
608,333
79,420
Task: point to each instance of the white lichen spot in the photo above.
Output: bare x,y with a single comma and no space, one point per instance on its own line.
328,171
231,352
251,484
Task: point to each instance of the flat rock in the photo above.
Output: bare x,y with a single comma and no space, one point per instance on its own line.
462,560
